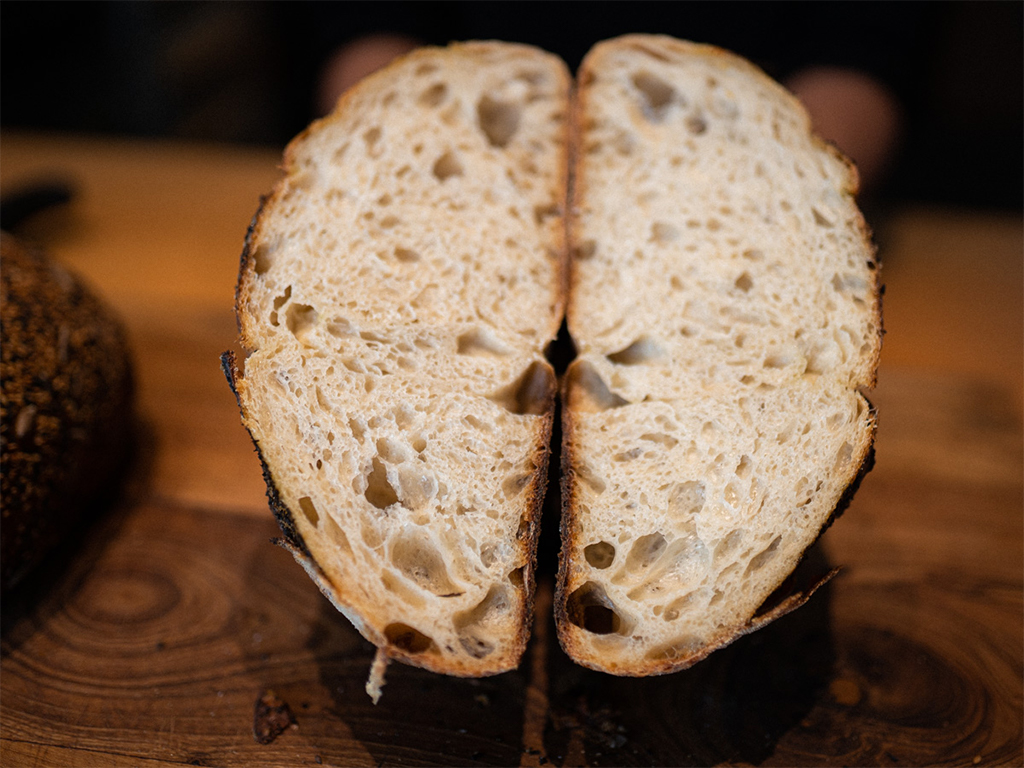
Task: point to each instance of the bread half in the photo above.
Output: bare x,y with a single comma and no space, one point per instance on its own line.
725,306
397,292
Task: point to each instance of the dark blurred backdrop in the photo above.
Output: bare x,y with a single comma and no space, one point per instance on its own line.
247,71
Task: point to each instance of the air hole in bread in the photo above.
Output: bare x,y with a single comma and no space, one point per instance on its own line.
476,646
499,120
496,603
378,490
685,603
371,137
530,393
406,255
643,350
337,536
590,608
434,95
420,562
686,500
660,438
416,486
762,558
656,95
824,216
585,250
389,221
262,258
744,468
588,391
778,360
843,456
663,232
516,578
645,552
632,453
589,476
513,485
849,283
480,341
600,554
446,166
340,328
542,213
300,320
696,125
744,282
408,639
731,495
677,649
279,301
309,510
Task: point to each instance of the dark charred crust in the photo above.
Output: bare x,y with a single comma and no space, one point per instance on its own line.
532,517
844,501
282,513
245,258
568,524
230,369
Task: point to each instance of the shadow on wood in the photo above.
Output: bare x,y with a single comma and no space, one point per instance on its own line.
43,590
732,707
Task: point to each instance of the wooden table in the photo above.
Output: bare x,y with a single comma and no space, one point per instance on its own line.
150,641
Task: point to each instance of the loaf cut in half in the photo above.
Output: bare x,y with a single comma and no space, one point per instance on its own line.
725,306
397,291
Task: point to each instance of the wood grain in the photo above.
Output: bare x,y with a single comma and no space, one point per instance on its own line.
150,637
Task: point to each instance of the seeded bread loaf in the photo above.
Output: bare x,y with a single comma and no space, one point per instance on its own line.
66,416
725,307
397,291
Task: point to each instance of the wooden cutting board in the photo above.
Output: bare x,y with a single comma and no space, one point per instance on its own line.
154,632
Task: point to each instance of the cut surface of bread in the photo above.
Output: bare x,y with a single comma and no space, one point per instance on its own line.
396,295
725,306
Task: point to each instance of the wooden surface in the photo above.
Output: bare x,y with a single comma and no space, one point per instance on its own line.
153,634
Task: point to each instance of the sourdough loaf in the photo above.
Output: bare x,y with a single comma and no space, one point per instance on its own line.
725,306
397,292
400,285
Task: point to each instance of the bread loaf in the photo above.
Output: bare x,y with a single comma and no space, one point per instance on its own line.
400,285
66,416
725,307
396,295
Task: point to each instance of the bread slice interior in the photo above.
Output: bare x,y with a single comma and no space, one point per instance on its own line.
725,306
397,292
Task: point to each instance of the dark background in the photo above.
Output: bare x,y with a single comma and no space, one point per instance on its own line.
246,71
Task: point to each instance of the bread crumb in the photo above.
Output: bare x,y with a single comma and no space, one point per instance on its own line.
376,680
